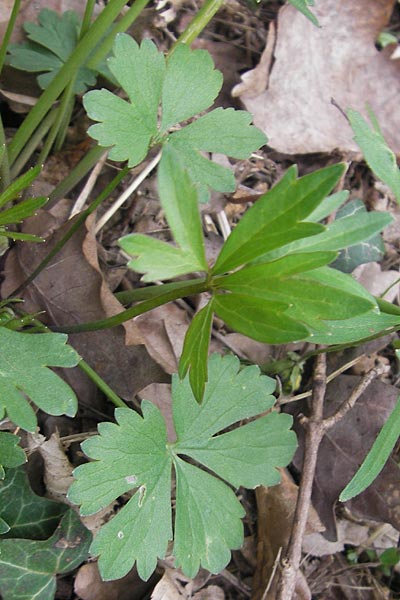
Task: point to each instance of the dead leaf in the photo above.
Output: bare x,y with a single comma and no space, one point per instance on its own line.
175,586
89,585
343,449
276,507
376,281
313,65
160,395
57,468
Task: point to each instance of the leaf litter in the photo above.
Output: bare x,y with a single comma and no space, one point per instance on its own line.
85,250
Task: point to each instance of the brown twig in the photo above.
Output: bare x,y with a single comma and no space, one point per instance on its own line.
316,427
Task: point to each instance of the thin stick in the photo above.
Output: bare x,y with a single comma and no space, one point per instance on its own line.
316,427
127,193
88,187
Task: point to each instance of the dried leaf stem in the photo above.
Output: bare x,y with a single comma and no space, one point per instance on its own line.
316,427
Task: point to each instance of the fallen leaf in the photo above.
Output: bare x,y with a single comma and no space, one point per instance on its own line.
344,448
89,585
312,65
57,468
377,281
276,507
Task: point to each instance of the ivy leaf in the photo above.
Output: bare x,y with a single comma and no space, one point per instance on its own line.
50,44
28,568
134,453
184,85
11,455
371,249
157,259
376,457
23,371
377,153
27,515
277,217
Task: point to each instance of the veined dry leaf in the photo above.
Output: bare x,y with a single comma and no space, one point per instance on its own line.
312,65
89,585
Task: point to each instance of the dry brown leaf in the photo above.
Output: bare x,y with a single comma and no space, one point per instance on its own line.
57,468
175,586
376,281
89,585
276,507
160,395
343,449
338,60
163,331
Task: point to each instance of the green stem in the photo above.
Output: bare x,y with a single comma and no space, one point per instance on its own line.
198,23
76,175
87,17
34,141
101,384
74,227
122,25
139,309
65,74
64,112
4,166
129,296
9,30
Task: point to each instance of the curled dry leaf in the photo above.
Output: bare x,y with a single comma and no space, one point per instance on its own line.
89,585
312,65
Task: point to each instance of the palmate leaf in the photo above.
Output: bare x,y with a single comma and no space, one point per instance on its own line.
134,453
184,85
23,370
49,45
28,568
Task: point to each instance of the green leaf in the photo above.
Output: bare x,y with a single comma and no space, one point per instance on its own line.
28,568
371,249
140,71
134,454
185,85
11,455
21,211
377,153
276,218
131,454
17,186
157,259
376,457
195,350
23,371
342,233
117,119
190,86
302,6
328,206
224,131
28,515
262,320
311,294
51,42
355,329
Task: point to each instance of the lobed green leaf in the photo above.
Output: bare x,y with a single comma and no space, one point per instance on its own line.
11,454
23,371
